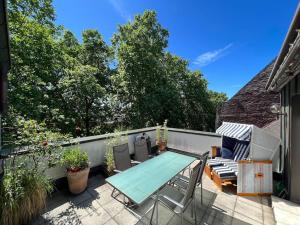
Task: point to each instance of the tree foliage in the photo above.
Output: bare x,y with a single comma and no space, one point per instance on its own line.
67,84
83,95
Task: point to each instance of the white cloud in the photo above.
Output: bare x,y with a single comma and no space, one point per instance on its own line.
118,6
211,56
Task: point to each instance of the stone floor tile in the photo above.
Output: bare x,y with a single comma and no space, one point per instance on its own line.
58,210
254,201
77,199
164,214
56,199
98,216
221,214
104,197
226,201
125,218
242,219
266,201
99,189
268,219
96,181
111,222
67,217
113,207
249,210
40,220
176,220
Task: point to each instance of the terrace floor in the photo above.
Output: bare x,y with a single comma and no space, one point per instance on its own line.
96,206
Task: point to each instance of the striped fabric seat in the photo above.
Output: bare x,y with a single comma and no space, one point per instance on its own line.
217,162
227,170
240,151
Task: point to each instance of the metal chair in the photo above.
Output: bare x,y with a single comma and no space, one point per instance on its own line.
122,162
177,201
141,150
182,181
121,157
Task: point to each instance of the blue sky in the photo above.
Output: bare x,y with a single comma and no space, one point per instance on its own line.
228,41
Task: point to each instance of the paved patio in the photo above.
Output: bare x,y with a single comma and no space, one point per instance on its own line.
96,206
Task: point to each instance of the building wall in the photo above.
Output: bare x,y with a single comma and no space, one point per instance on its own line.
290,90
251,105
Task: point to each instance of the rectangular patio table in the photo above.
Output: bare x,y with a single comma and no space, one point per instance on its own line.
140,182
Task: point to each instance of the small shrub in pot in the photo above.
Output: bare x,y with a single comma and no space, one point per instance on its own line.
77,165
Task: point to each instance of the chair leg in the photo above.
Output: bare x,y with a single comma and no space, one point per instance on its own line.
195,209
181,217
192,210
201,194
155,203
157,213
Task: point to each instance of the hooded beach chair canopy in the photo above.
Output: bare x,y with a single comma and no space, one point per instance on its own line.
238,131
263,145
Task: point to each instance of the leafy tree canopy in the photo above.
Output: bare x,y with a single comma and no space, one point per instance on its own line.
93,87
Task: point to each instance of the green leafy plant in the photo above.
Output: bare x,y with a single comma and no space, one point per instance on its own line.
118,138
24,189
157,132
164,136
74,159
23,195
165,132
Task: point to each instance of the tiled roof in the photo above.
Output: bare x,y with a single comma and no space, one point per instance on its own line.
251,105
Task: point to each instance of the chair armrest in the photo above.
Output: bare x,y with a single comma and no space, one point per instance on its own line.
135,162
172,201
215,151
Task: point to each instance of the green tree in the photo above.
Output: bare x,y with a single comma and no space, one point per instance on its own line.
38,61
217,99
139,48
41,11
83,95
95,52
70,44
37,64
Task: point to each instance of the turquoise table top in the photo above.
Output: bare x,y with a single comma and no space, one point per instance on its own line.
141,181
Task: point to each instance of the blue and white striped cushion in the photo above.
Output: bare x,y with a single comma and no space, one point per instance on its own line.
236,149
243,153
225,172
217,161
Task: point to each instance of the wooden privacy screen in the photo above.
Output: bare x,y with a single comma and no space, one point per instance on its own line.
255,177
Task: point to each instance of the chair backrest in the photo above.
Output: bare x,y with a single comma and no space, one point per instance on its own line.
122,157
141,150
192,184
203,161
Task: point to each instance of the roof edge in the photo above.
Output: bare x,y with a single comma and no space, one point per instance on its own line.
290,36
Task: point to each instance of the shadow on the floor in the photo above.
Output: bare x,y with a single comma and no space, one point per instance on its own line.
206,213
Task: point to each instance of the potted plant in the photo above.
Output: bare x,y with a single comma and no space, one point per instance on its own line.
161,141
77,165
118,138
24,186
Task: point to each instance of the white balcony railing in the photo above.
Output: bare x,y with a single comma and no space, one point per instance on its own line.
181,139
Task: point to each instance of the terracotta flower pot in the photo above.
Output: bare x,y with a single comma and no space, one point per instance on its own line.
78,180
162,145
